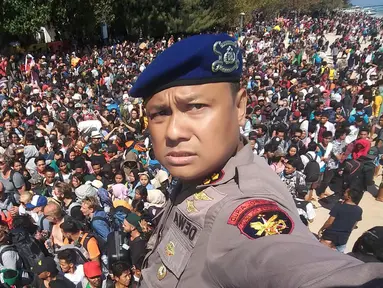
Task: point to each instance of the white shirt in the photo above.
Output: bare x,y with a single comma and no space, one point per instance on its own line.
306,160
77,276
329,127
354,131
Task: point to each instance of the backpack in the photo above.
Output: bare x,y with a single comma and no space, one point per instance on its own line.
101,241
41,224
10,195
370,243
71,206
28,248
104,197
312,169
316,90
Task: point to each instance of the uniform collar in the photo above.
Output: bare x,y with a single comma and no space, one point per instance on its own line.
243,157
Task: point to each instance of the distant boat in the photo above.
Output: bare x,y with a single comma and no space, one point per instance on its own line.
369,11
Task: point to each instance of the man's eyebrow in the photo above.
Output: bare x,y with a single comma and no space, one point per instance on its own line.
158,107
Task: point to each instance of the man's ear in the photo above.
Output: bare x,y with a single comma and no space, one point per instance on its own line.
241,103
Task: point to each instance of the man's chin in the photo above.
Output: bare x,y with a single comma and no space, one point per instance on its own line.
187,172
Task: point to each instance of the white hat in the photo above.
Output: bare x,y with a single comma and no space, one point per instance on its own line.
162,176
35,91
95,134
76,97
97,184
125,96
156,198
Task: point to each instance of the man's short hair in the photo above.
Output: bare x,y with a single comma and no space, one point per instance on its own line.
120,267
70,226
68,255
235,87
91,201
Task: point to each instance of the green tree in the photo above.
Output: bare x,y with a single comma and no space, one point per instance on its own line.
24,17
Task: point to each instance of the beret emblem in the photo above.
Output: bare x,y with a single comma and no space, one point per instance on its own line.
227,52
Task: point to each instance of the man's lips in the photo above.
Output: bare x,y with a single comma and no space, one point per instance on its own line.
180,158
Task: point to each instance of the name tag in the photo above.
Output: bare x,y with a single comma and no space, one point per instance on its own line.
187,227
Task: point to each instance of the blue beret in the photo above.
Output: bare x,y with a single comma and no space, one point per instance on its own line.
200,59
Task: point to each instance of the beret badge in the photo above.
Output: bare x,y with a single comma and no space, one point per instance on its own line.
227,52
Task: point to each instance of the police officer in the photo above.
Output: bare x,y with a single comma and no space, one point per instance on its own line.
231,221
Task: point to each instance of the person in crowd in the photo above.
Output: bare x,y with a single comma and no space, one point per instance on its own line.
63,193
97,218
73,272
55,215
93,276
131,225
123,275
73,233
343,219
46,271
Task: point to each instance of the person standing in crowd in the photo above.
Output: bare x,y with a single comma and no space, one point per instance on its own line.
73,272
343,219
46,270
93,276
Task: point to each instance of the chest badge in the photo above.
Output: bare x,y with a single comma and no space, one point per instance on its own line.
161,272
170,249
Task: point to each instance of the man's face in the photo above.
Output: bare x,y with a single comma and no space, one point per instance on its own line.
323,119
96,169
289,169
95,282
56,192
124,279
65,266
8,126
252,144
50,177
41,166
127,227
327,140
86,210
187,123
363,135
62,115
44,275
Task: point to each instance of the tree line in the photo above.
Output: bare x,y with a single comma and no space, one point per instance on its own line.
82,19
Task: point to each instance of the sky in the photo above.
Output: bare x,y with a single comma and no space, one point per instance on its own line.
362,3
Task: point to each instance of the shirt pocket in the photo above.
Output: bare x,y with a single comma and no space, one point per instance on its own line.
175,251
168,261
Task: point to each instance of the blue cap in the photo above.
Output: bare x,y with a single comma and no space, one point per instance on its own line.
37,201
200,59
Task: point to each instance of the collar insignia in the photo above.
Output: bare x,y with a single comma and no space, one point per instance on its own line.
214,178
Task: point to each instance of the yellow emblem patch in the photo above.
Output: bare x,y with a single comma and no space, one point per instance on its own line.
170,248
190,207
161,272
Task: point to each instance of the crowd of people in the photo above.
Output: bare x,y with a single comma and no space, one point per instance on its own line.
81,190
